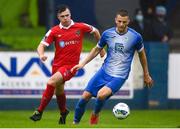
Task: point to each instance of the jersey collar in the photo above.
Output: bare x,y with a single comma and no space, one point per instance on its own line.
116,29
64,27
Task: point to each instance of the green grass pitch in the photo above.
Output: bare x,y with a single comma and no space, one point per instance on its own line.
137,119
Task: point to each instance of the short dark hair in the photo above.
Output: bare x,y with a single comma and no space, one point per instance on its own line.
122,12
62,8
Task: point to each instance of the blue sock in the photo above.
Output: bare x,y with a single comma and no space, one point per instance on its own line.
80,109
99,105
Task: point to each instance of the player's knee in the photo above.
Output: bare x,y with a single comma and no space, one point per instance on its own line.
51,82
87,96
59,92
101,96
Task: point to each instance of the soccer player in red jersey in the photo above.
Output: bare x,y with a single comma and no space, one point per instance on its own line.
67,38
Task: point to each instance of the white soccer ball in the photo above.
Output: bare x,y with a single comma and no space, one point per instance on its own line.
121,111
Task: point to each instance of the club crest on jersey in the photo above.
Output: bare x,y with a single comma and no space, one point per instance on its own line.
61,44
119,47
78,32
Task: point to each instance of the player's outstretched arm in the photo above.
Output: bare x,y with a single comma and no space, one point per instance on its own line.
40,50
147,78
102,53
97,36
94,52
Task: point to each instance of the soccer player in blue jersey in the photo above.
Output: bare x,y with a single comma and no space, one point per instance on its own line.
121,42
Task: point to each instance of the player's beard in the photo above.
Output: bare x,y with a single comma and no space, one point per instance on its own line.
122,29
66,23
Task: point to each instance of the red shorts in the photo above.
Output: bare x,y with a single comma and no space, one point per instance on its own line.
65,71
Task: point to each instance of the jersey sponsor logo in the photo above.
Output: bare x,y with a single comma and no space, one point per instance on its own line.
119,47
71,42
62,44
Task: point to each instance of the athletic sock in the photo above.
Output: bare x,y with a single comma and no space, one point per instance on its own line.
46,97
61,101
98,105
80,109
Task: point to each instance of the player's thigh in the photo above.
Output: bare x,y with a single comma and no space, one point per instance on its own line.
66,72
104,92
115,84
55,79
96,83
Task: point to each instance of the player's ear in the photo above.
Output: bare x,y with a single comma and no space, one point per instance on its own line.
128,21
115,20
58,16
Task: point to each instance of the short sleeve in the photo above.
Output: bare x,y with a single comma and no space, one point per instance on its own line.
102,41
48,38
139,44
88,28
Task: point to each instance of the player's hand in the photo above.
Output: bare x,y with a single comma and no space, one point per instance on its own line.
148,80
43,58
102,53
77,67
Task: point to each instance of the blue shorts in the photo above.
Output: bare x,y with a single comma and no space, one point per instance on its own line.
101,79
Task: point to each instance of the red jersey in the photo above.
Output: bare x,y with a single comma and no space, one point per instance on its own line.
68,42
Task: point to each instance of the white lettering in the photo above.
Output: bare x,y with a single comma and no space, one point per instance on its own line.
71,42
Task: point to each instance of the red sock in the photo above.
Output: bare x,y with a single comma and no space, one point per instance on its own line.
47,95
61,101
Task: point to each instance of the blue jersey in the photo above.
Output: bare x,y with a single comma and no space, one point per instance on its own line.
120,51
